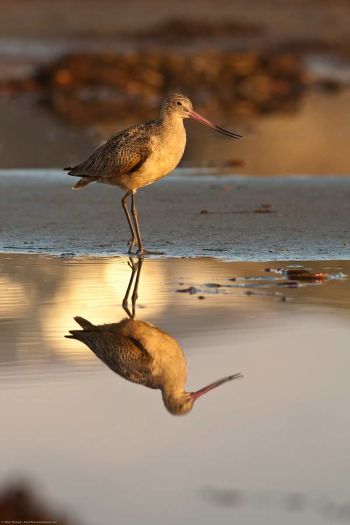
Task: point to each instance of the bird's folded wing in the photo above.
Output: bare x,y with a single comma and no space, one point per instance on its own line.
121,154
113,348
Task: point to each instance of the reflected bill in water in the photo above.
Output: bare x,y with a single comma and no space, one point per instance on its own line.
143,353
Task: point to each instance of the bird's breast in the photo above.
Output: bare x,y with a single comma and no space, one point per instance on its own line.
167,149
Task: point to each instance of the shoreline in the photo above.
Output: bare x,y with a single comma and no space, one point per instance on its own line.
242,218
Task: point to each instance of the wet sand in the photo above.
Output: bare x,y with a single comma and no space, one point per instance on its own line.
230,217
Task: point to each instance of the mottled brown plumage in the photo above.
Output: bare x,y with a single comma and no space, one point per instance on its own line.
115,344
124,153
144,354
140,155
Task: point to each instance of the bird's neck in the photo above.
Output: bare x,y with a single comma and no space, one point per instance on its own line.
173,393
171,121
173,397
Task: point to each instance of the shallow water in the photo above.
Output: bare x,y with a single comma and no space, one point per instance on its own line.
270,448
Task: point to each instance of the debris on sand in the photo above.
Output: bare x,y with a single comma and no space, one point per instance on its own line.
289,284
265,208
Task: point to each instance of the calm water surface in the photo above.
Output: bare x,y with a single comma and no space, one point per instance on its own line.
270,448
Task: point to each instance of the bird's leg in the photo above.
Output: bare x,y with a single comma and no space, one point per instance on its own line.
141,251
136,223
133,267
131,226
134,296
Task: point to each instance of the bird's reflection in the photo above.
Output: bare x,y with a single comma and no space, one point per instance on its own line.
143,353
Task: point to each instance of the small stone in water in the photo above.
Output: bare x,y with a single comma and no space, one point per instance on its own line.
306,275
289,284
191,290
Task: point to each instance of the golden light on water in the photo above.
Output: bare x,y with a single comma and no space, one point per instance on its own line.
45,301
117,275
16,299
96,291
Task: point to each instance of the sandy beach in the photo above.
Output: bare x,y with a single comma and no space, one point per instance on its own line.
229,217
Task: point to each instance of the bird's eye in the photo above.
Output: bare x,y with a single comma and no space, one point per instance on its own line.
179,103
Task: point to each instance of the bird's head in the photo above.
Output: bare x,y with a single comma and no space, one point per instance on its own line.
179,106
178,405
182,403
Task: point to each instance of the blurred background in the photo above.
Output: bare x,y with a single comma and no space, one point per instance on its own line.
73,72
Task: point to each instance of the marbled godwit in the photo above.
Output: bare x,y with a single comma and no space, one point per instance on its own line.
144,354
140,155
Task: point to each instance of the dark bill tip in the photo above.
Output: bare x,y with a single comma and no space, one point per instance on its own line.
228,133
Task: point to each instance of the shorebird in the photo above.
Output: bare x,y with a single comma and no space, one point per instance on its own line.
143,354
140,155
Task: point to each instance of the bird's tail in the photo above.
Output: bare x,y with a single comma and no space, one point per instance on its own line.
83,182
76,171
84,323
